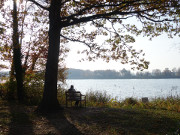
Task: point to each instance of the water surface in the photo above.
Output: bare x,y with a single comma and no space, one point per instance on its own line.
123,88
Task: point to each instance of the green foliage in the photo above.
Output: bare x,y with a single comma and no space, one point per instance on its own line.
169,103
8,90
99,99
1,30
102,99
130,101
61,95
33,85
96,98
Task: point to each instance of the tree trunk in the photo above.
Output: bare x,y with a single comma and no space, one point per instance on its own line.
49,102
17,55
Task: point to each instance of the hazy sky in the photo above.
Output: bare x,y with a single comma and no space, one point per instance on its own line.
162,52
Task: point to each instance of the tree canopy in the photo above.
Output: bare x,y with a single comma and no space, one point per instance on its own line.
33,36
107,18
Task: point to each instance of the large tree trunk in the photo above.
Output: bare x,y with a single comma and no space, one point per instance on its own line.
49,102
17,55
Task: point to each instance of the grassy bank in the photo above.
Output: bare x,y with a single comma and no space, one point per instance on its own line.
102,99
16,119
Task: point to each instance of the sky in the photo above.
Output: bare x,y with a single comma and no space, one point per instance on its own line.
162,52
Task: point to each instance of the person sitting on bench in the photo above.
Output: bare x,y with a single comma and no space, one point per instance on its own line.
73,90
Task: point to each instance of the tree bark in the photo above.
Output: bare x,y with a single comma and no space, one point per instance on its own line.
49,102
17,55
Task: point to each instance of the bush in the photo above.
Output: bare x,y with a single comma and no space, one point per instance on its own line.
130,102
33,88
8,90
61,95
169,103
96,98
3,90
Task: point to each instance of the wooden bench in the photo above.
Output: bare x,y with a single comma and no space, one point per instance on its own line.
75,96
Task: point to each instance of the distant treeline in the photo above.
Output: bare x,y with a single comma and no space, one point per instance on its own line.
123,74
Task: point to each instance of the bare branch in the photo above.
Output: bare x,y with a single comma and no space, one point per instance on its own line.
65,1
79,16
154,20
116,18
104,15
76,40
38,4
89,7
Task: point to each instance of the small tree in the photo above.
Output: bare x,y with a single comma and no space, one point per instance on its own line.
31,38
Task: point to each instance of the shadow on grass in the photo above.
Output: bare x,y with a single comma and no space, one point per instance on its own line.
61,125
26,122
88,121
20,123
120,121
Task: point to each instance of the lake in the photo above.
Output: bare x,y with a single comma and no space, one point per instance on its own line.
124,88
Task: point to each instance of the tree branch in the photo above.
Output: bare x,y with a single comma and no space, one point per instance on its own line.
38,4
76,40
89,7
79,16
153,20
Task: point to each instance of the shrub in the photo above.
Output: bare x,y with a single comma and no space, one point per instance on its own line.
34,85
3,91
169,103
96,98
130,101
61,95
8,90
33,88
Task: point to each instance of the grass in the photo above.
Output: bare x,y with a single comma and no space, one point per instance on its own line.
101,99
128,119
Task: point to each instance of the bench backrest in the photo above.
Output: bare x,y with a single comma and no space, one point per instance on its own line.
75,95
